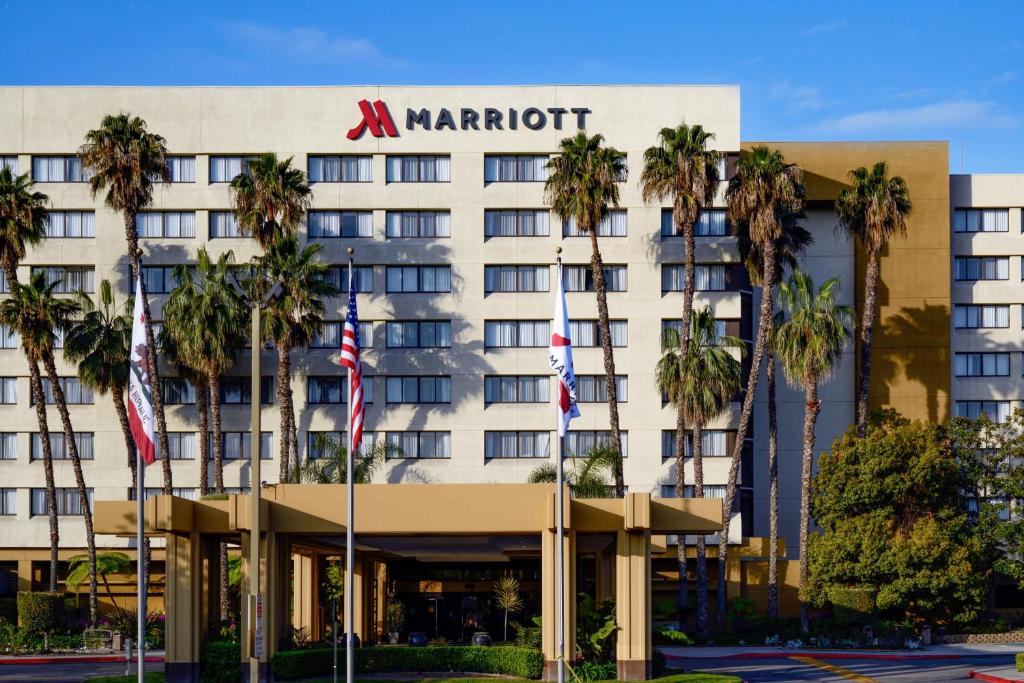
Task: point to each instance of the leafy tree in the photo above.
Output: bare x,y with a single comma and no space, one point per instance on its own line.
107,563
582,184
873,210
508,598
586,476
125,159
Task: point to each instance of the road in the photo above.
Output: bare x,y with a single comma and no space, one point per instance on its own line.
65,672
805,668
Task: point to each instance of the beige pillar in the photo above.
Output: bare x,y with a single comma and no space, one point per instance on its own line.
25,577
381,602
362,585
302,603
183,602
633,604
549,600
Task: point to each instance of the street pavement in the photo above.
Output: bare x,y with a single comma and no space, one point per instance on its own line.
66,672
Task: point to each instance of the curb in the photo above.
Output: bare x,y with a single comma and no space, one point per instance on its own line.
979,676
824,655
74,659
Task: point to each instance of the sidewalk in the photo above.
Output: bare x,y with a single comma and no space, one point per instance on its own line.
929,652
76,658
1003,674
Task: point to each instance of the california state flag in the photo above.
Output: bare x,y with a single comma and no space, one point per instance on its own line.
140,394
561,361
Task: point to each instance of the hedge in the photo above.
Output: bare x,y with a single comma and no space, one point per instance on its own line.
1020,661
40,612
852,605
519,662
220,662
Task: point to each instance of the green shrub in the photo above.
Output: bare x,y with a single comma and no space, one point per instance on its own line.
852,605
596,671
1020,661
220,662
9,610
40,612
664,635
510,661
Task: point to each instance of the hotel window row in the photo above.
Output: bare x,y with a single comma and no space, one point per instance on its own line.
981,220
500,334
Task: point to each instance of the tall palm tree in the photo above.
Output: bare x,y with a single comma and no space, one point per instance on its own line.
873,210
811,331
765,193
682,167
23,219
124,158
206,320
710,376
582,185
38,316
793,242
270,199
292,318
170,353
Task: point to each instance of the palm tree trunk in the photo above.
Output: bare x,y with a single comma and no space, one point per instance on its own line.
134,256
773,495
810,417
203,407
597,268
76,463
284,376
702,552
684,590
51,489
764,322
867,333
126,431
213,386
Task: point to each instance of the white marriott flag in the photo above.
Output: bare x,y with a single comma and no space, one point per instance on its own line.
140,396
561,361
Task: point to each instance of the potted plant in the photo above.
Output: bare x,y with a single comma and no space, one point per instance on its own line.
394,618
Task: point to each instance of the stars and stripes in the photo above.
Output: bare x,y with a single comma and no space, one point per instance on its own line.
350,359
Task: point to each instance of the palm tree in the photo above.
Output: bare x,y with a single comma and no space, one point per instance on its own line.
110,562
292,318
872,211
764,194
700,376
582,184
205,319
810,334
794,241
332,465
170,353
124,158
586,477
23,219
270,199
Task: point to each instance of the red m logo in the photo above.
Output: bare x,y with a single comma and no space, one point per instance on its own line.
377,118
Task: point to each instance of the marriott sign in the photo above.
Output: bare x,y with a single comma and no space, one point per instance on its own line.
376,118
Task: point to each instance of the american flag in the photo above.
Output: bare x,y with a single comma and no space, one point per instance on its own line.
350,360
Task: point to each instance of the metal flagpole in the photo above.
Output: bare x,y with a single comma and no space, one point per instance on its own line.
350,554
140,542
559,526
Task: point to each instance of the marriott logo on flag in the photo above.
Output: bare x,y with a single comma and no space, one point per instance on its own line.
140,394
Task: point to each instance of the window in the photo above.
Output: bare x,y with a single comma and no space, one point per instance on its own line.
419,169
419,389
516,444
982,268
223,169
180,170
594,388
9,161
224,224
8,446
419,224
710,491
585,333
4,287
8,497
422,445
500,334
333,389
180,445
997,411
982,364
419,334
75,393
363,276
520,168
713,444
319,444
340,169
166,224
981,220
578,444
706,277
67,499
59,169
340,223
159,279
58,446
980,316
581,278
69,279
8,390
516,279
710,223
178,491
71,224
516,223
516,389
238,445
176,391
721,326
419,279
238,390
329,335
9,339
612,225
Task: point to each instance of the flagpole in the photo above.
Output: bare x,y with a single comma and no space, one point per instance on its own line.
560,522
350,554
140,540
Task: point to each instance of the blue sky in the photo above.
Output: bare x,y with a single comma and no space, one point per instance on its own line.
808,71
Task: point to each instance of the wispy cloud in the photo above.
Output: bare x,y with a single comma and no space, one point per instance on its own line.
819,29
311,44
940,116
796,97
998,80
